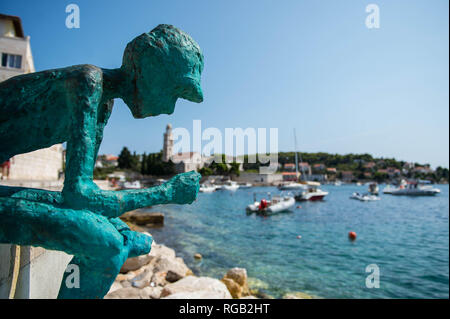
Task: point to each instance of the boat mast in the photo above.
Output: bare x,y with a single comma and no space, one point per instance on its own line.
296,156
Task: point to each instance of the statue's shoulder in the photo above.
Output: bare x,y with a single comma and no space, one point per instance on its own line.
86,73
83,72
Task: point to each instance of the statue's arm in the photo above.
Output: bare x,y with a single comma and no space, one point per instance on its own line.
181,189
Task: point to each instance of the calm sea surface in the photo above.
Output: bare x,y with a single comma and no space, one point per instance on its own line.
406,237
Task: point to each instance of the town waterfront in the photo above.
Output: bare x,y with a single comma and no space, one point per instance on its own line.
406,237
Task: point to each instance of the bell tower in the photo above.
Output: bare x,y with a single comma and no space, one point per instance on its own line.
168,143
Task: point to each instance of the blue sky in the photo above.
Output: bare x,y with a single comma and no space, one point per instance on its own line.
309,65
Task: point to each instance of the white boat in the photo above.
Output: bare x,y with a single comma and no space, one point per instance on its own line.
415,189
312,193
373,188
132,185
291,186
273,205
245,185
364,197
388,189
204,188
337,183
230,186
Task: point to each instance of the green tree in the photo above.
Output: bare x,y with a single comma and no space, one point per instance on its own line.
234,169
380,177
144,164
125,159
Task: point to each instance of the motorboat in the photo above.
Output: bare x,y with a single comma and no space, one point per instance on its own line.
311,193
272,205
373,188
205,188
413,188
245,185
337,183
364,197
388,189
132,185
230,186
291,186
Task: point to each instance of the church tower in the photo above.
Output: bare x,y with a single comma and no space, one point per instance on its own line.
168,143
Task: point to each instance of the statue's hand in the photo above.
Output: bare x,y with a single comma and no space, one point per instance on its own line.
184,187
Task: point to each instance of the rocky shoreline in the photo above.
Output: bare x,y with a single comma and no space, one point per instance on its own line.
162,275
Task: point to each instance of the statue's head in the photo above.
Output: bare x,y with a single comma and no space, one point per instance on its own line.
161,66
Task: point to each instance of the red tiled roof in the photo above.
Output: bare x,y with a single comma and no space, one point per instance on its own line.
303,164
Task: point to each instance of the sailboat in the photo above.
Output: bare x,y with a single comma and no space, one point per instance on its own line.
293,185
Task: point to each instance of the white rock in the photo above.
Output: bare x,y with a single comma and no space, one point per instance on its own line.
239,275
128,293
203,285
153,292
115,286
161,250
175,268
201,294
135,263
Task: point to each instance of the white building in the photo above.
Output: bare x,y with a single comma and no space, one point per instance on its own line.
16,59
168,143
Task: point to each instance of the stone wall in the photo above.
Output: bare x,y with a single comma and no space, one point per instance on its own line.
42,165
259,178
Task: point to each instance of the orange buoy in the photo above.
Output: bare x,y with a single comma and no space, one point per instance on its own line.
352,235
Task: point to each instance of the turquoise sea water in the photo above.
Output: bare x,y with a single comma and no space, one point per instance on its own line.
406,237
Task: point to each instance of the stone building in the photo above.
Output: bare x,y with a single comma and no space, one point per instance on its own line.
184,162
16,59
168,143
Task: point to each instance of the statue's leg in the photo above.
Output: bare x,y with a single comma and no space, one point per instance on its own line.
99,244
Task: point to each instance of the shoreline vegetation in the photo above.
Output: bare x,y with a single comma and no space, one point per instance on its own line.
161,274
321,166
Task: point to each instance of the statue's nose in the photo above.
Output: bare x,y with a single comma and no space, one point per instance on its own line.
195,94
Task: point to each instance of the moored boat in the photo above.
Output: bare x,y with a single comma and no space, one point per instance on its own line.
230,186
364,197
205,188
272,205
132,185
312,193
291,186
413,188
373,188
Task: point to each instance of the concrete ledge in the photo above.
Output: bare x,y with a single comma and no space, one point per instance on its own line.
40,272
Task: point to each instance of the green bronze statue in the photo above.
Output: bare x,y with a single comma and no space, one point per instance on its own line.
73,105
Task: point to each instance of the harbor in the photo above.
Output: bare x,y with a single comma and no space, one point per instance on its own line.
405,236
